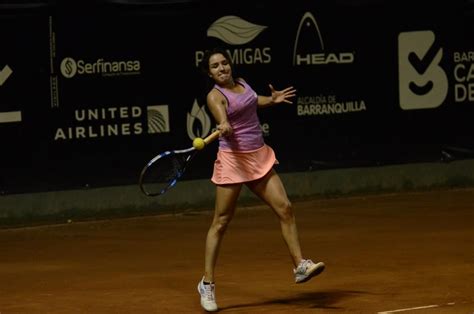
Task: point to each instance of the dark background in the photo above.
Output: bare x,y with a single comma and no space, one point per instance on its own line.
165,35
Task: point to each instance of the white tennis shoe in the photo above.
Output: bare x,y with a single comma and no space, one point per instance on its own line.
208,296
307,270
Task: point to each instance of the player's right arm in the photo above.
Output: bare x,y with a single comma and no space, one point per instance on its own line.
217,104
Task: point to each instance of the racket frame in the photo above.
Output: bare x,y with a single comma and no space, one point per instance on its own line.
172,182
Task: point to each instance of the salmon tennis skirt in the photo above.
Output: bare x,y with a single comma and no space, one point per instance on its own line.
239,167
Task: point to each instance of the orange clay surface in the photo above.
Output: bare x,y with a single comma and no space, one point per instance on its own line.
393,253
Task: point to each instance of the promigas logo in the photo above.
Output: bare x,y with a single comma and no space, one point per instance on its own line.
422,81
236,31
70,67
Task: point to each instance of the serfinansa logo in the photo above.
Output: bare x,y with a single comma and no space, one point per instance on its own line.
70,67
423,83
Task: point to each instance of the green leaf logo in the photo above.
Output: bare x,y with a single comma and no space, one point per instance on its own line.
234,31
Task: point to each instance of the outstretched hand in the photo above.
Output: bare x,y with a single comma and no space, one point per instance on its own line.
279,96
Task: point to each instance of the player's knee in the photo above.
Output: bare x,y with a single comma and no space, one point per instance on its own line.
286,212
220,223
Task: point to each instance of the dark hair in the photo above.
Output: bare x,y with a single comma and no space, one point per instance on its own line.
207,55
204,65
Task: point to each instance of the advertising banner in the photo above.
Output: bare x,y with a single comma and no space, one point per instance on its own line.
87,98
24,95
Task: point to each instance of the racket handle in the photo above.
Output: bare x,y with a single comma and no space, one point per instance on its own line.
212,137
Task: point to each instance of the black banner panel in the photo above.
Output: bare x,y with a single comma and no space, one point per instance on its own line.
24,96
88,97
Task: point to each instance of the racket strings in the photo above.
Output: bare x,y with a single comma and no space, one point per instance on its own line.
163,173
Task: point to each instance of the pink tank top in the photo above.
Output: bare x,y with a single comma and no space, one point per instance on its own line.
243,118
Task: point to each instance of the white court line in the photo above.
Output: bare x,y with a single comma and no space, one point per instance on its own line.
10,116
415,308
409,309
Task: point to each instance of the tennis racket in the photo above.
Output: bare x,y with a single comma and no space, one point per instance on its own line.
163,171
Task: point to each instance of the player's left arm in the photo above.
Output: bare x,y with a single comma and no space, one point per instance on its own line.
277,96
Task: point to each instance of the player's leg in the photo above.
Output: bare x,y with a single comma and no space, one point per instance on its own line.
226,199
271,190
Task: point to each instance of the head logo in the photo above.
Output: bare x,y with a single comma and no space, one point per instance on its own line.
68,67
309,46
234,31
158,119
422,82
310,27
198,123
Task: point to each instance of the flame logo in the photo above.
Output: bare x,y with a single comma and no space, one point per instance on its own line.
234,31
199,123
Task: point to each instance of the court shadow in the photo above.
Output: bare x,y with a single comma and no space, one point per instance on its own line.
317,300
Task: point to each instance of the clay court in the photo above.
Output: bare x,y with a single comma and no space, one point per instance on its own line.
392,253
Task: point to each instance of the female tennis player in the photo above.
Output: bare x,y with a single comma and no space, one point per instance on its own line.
244,158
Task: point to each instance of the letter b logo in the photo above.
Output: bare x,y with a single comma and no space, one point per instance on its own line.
423,83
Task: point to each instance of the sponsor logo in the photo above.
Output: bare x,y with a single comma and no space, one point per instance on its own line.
198,121
69,67
309,50
107,122
463,76
327,105
422,81
5,74
309,46
54,91
10,116
158,119
236,31
265,129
